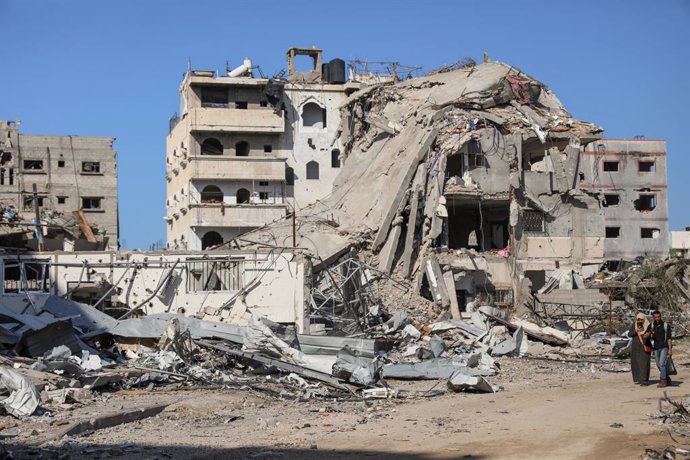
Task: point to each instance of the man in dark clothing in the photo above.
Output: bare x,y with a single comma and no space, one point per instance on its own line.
663,348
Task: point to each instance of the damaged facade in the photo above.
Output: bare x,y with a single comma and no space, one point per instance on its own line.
630,177
244,150
68,182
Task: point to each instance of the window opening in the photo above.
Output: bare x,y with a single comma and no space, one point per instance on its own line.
646,166
645,203
214,275
611,200
335,158
313,115
33,165
312,170
91,167
613,232
91,203
242,149
646,233
289,176
26,276
243,196
211,146
611,166
211,194
213,96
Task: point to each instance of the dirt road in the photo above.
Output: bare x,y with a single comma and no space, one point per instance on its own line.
545,410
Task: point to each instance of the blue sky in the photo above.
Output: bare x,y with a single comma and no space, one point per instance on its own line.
113,68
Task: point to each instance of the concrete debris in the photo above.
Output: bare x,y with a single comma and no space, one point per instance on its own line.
460,381
353,369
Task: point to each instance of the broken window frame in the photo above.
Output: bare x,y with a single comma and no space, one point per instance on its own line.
214,275
615,202
39,283
33,166
91,167
643,199
29,202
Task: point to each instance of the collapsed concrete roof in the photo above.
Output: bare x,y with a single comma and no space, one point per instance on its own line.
389,130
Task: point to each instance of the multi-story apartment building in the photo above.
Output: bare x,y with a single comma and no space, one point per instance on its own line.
244,151
69,173
630,175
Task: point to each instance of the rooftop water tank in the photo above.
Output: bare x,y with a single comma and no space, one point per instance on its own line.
336,70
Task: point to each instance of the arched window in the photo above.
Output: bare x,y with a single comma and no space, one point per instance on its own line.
312,170
335,158
211,146
211,194
243,196
289,176
242,149
313,115
211,239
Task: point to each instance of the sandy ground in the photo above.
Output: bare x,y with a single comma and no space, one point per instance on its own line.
545,410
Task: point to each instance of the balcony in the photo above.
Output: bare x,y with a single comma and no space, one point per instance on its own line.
231,120
248,215
236,168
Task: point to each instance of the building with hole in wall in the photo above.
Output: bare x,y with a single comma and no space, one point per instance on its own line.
630,177
75,177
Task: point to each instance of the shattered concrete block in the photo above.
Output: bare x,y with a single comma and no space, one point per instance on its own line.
437,346
411,331
463,382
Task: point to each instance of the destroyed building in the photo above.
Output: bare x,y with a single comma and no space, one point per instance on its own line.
465,224
67,184
630,176
246,149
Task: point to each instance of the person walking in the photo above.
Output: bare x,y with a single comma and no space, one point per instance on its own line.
640,352
662,345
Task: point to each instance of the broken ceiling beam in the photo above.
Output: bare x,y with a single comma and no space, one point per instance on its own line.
450,286
383,124
102,421
84,226
408,251
423,149
437,285
545,338
387,254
